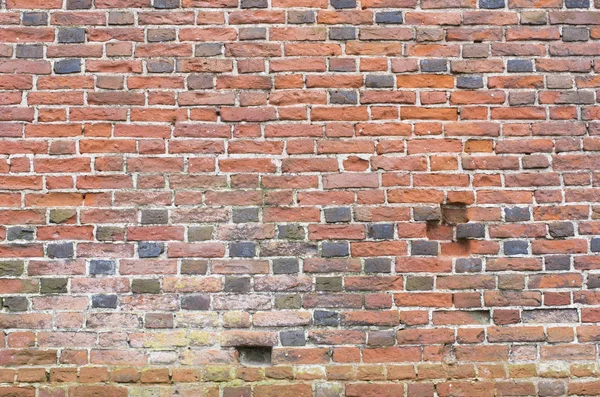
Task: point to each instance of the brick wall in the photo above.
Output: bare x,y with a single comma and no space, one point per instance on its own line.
234,198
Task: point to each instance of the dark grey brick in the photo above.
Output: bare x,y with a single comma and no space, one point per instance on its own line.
160,66
286,266
79,4
237,284
561,229
378,265
516,247
468,265
332,249
519,65
329,284
434,65
381,231
15,303
470,230
517,214
425,214
20,233
195,302
577,3
254,4
379,81
242,249
343,97
291,232
208,49
155,217
100,266
244,215
160,35
66,66
424,248
595,244
200,81
252,34
389,17
53,285
166,4
593,281
469,82
571,33
298,17
104,301
326,318
71,35
339,4
419,283
60,250
292,338
200,233
33,51
339,214
557,262
35,18
491,4
150,250
342,33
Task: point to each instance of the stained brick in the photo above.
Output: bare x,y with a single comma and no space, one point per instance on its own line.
384,197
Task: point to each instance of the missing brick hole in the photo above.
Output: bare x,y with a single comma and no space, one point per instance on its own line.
255,356
453,214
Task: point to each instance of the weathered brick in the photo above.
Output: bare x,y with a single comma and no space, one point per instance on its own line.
313,197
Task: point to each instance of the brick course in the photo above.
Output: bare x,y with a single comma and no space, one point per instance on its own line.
399,197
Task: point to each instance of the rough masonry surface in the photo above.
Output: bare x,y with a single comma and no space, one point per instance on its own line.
303,198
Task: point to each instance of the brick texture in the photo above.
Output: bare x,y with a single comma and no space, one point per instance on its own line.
369,197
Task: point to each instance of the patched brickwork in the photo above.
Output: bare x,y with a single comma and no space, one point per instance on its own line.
260,198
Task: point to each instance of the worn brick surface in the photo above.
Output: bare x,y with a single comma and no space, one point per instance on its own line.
399,197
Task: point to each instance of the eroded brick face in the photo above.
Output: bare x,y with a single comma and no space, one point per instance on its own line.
399,197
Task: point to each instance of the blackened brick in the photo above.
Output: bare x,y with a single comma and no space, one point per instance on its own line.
491,4
332,249
242,249
71,35
67,66
104,301
60,250
35,18
339,214
389,17
470,230
286,266
102,267
379,231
